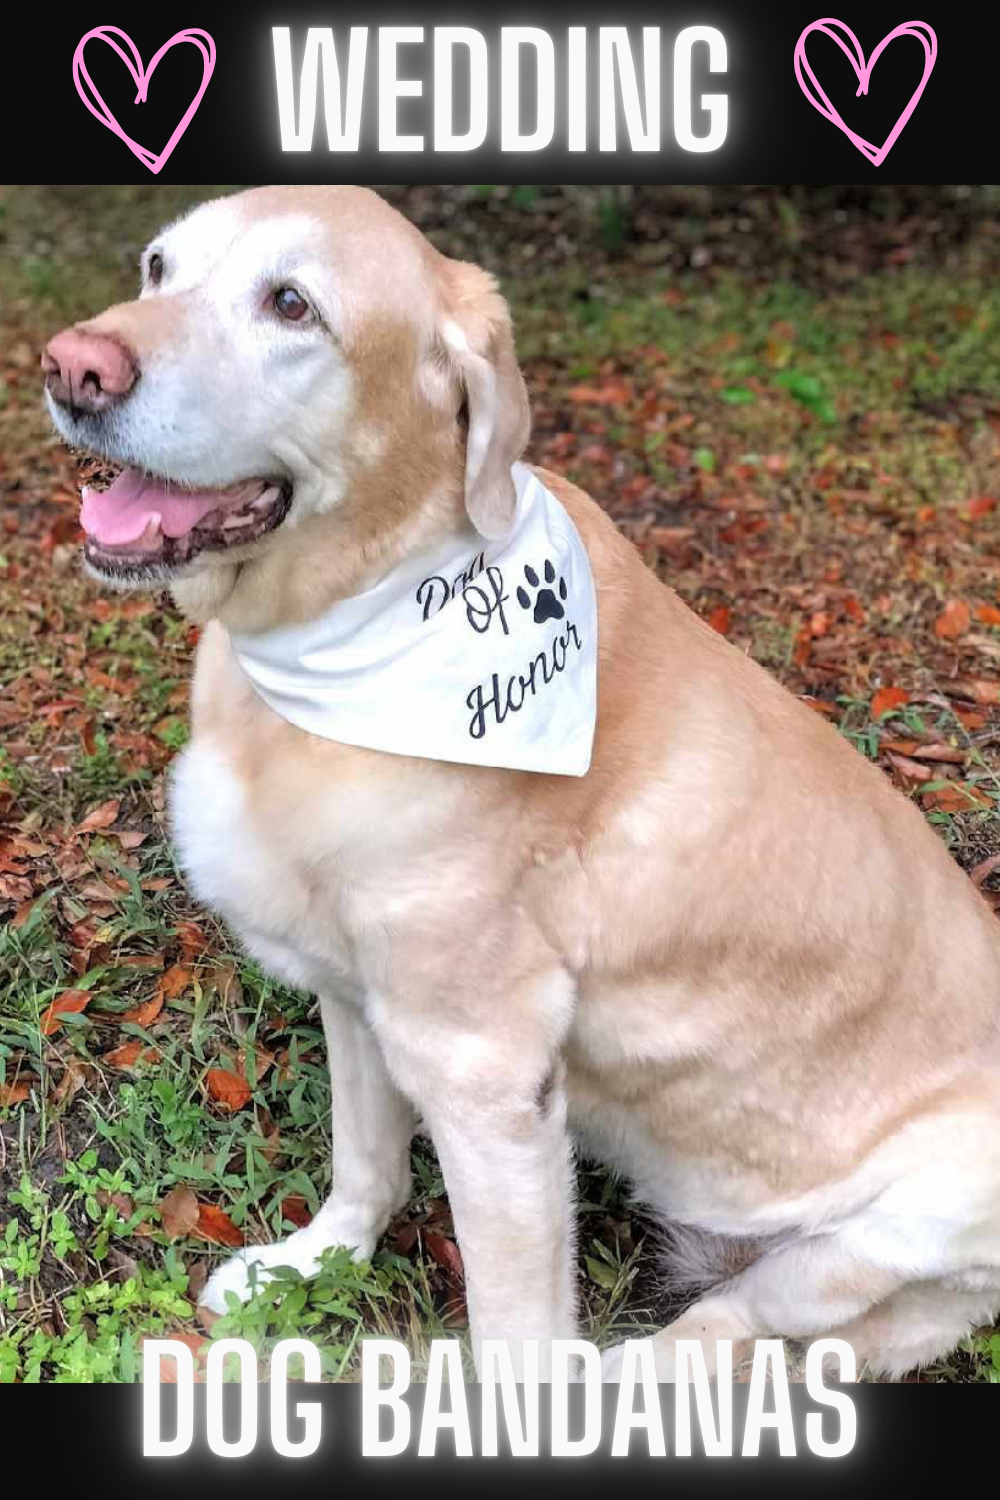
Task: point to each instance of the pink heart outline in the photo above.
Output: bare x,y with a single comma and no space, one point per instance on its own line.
141,77
875,155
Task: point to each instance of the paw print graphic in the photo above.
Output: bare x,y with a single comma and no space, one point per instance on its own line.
546,606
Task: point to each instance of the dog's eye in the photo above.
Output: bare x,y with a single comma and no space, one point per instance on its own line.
155,269
290,304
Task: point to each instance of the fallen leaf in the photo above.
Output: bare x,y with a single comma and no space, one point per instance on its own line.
197,1274
128,1054
23,913
214,1224
988,614
912,770
126,1265
978,689
958,797
99,891
179,1212
175,981
612,393
229,1090
953,621
130,838
197,1343
74,1077
191,937
70,1002
295,1209
980,506
15,888
121,1202
145,1014
888,698
15,1093
446,1253
141,961
945,754
101,817
720,619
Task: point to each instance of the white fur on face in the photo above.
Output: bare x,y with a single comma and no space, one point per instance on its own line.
228,390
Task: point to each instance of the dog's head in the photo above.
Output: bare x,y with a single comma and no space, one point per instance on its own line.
294,355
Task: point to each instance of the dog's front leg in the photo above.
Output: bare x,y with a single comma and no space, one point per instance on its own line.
494,1102
372,1128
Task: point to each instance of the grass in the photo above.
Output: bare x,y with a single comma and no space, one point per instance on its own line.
804,459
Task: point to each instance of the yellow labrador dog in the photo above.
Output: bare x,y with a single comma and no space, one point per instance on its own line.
730,958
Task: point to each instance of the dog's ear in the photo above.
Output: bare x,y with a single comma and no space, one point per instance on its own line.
478,345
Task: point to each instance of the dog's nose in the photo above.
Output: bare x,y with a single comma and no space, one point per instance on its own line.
88,371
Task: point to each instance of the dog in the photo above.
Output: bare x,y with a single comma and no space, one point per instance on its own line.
730,958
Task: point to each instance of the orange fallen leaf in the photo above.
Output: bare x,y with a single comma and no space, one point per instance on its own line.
888,698
128,1054
70,1002
230,1091
612,393
720,619
101,817
214,1224
179,1212
175,981
953,621
197,1343
981,506
988,614
15,1093
191,937
144,1014
958,797
141,961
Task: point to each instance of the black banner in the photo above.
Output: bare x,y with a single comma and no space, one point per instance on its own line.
906,1435
772,132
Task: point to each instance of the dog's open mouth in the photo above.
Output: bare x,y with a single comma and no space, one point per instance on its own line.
143,523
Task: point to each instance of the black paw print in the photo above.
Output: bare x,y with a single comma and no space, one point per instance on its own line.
546,606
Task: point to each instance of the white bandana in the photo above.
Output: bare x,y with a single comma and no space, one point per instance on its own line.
484,653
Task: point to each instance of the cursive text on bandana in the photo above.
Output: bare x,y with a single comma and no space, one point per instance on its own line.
481,653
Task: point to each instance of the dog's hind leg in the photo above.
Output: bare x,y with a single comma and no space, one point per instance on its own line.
918,1324
372,1127
803,1289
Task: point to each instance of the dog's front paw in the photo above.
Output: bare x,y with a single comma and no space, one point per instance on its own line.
233,1275
300,1252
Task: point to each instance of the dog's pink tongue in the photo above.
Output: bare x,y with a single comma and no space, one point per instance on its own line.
122,513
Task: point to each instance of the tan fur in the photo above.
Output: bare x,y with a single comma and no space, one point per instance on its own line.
760,983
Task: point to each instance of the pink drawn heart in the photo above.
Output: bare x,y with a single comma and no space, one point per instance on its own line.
856,58
141,75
